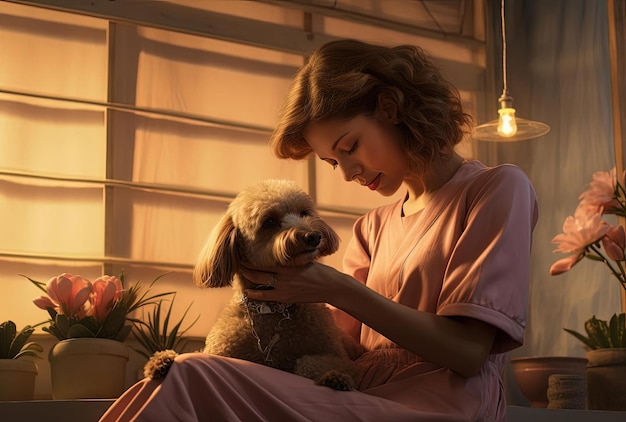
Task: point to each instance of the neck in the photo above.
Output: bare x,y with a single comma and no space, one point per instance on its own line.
421,189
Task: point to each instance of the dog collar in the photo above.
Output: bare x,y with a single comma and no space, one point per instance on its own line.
263,308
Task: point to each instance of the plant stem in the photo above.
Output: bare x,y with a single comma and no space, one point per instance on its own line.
621,275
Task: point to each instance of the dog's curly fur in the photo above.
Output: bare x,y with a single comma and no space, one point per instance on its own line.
271,223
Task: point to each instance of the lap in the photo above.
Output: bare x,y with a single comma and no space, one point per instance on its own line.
202,387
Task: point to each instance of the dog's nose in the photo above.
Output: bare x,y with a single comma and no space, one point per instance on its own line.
313,239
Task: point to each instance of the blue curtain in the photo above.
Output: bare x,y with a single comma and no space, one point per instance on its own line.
558,72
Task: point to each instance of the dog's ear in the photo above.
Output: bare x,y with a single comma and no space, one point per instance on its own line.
218,261
332,239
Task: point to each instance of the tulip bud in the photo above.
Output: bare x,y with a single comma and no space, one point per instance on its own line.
614,242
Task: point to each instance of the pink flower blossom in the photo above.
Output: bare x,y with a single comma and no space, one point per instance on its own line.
614,242
579,231
601,195
106,291
44,302
70,292
565,264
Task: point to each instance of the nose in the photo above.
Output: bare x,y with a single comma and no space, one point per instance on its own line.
350,171
313,238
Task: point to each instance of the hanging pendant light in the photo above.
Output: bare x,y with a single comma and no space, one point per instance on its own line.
508,128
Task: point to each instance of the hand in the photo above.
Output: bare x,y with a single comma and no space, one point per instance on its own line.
311,283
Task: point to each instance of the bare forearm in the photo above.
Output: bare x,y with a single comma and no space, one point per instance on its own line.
461,345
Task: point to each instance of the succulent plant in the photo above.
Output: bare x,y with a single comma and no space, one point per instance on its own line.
602,334
155,335
14,344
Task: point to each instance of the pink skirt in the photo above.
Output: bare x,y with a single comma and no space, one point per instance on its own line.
396,387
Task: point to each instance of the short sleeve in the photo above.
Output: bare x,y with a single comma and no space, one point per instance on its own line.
489,269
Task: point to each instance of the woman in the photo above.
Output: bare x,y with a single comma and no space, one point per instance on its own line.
435,286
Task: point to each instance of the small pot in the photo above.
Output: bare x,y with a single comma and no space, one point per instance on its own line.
532,373
17,379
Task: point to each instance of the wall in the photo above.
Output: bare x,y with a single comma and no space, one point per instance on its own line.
125,130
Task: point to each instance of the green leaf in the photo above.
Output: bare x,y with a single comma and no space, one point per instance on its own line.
7,334
598,332
20,340
589,345
40,285
31,349
122,335
113,324
61,325
613,331
14,344
80,331
155,334
620,335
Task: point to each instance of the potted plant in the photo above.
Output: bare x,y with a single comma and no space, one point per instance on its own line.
156,337
91,322
17,369
587,235
602,334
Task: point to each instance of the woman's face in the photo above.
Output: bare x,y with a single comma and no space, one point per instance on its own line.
366,149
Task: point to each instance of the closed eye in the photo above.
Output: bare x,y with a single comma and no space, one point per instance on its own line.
331,162
354,147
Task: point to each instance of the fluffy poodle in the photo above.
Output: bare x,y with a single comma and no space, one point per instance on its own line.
271,223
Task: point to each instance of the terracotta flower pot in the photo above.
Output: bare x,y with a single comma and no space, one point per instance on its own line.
17,379
88,368
606,379
532,373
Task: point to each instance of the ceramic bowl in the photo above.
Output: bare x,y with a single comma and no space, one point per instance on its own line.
532,373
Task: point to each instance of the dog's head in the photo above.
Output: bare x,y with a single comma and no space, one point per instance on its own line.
271,223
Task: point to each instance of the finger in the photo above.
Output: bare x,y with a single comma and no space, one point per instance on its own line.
255,276
263,294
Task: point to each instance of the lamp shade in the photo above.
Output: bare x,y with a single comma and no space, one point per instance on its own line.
526,129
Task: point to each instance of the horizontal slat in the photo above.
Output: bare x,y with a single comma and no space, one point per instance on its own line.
163,189
169,16
93,260
145,111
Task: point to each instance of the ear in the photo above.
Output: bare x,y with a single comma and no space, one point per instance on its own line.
387,109
218,261
331,238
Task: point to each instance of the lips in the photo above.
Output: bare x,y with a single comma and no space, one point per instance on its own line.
373,185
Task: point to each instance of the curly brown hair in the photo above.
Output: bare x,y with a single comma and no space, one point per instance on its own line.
345,78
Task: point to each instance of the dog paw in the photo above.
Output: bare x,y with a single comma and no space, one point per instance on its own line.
159,364
337,380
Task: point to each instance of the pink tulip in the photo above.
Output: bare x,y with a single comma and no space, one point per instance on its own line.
70,292
44,302
106,291
614,242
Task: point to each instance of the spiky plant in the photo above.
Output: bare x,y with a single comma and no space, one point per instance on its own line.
602,334
14,344
155,335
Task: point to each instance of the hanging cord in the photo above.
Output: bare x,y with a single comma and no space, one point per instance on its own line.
505,91
505,99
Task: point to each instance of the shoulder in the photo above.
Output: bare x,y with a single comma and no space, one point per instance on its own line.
507,179
479,172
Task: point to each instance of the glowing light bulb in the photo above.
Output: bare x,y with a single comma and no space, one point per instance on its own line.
507,126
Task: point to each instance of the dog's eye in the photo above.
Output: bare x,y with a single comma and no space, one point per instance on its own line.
269,223
305,213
